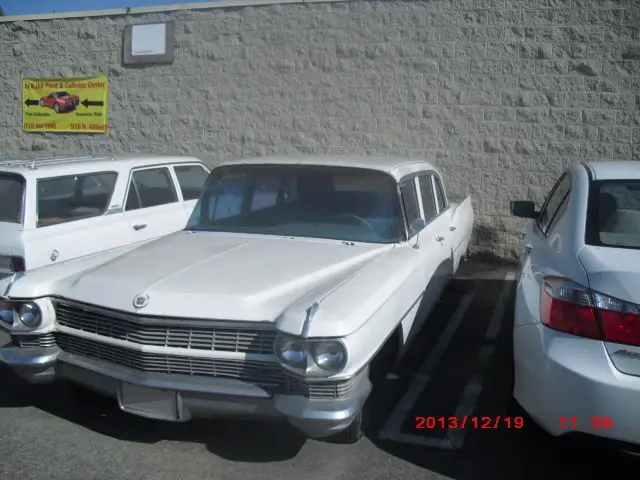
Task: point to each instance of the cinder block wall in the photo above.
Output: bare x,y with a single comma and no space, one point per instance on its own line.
500,94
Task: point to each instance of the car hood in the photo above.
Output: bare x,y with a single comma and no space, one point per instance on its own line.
218,275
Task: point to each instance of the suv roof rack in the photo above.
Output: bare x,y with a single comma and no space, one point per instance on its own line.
34,163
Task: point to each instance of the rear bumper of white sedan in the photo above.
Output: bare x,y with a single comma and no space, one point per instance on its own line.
179,397
569,385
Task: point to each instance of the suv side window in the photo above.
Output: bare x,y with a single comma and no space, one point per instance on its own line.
150,188
410,202
191,179
553,203
428,198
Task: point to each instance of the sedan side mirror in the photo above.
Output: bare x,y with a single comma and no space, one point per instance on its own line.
523,209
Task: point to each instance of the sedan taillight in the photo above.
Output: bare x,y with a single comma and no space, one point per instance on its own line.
572,308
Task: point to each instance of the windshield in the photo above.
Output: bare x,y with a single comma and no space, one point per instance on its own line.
340,203
613,219
11,198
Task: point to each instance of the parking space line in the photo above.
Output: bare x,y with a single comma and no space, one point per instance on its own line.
473,388
400,413
454,439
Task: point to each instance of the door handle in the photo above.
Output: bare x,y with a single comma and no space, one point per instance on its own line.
139,227
439,239
452,228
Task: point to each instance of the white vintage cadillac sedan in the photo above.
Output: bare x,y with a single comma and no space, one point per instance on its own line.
294,284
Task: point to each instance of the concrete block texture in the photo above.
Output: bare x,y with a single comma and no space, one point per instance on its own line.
501,95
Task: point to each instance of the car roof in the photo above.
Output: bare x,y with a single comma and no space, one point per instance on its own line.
396,166
614,169
78,164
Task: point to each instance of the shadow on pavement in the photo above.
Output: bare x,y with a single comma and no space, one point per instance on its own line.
500,453
235,440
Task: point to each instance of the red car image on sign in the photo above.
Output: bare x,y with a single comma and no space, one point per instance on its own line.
60,101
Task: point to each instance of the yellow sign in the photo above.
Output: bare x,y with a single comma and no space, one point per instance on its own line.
65,104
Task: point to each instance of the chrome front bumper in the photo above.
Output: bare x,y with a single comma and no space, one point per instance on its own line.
182,398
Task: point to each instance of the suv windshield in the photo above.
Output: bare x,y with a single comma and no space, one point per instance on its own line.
11,197
339,203
613,219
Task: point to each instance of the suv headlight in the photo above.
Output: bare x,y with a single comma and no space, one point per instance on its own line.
321,357
30,315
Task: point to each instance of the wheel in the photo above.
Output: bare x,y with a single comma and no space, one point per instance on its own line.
56,107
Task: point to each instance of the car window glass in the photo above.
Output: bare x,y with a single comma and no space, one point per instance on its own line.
227,197
63,199
441,199
428,198
554,200
410,201
191,179
11,197
150,188
266,188
299,200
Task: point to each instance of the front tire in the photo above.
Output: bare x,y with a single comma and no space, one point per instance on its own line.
56,107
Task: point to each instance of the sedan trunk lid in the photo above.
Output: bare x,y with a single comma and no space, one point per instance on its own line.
615,272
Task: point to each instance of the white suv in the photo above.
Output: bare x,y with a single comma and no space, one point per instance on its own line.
58,209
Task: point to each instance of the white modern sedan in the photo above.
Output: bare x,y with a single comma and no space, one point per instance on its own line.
577,320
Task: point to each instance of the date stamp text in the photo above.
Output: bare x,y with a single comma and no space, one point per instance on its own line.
466,421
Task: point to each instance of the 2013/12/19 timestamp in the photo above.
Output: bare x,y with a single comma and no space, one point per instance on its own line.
593,422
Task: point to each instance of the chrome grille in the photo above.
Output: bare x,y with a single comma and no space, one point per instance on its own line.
34,341
260,373
323,389
143,331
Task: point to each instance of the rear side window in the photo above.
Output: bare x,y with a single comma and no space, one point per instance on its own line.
11,198
428,198
440,196
68,198
150,188
553,203
613,217
191,179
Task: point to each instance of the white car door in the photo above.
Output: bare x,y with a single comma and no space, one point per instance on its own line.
424,235
190,178
73,220
153,207
540,253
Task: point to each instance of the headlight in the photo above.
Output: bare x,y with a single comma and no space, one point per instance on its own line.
311,357
329,355
292,352
30,315
6,312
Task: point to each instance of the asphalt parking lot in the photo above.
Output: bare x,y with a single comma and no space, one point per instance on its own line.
460,365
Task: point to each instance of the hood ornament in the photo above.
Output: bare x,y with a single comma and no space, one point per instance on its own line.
140,301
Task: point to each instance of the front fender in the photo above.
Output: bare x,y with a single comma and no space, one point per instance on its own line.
45,281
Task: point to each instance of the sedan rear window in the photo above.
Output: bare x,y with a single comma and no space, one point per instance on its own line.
63,199
11,198
613,219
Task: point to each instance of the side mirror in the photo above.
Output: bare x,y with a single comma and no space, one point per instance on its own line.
415,226
523,209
